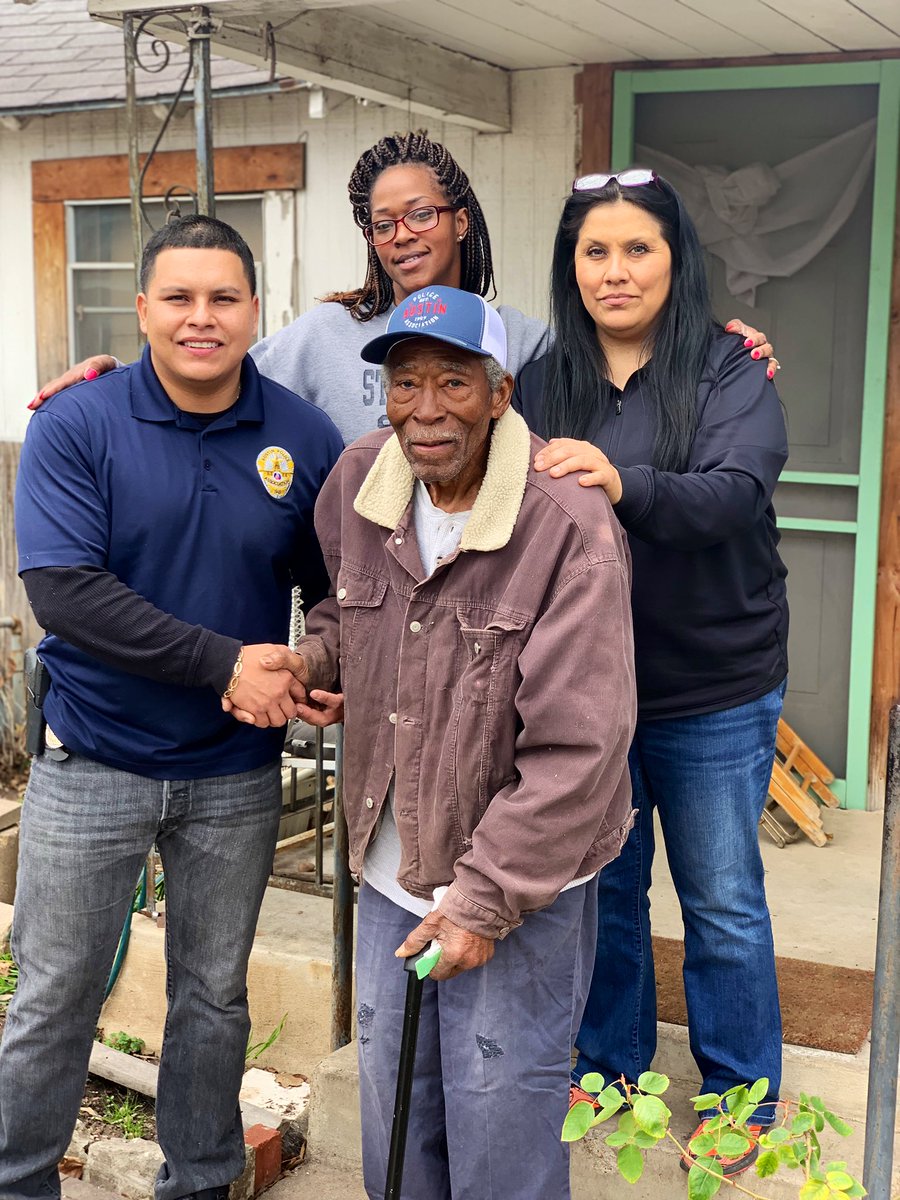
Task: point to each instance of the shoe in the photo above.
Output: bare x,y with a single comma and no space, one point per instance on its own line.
730,1166
578,1095
214,1193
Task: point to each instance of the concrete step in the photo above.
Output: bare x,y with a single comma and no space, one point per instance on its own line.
290,974
335,1138
314,1181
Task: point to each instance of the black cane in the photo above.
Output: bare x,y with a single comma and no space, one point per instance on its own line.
417,966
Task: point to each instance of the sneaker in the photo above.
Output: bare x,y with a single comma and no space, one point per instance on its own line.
578,1095
730,1166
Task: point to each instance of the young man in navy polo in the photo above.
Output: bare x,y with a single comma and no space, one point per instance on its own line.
163,512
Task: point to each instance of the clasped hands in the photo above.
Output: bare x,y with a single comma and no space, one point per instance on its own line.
271,690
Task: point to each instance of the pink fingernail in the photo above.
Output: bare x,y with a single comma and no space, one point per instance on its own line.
33,403
754,354
748,343
90,373
770,373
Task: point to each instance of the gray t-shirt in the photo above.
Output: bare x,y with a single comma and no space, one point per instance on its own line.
317,356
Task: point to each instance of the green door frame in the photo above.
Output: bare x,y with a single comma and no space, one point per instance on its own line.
885,75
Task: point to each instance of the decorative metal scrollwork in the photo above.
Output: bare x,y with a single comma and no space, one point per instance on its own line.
195,25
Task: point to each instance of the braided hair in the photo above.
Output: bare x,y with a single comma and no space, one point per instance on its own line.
377,292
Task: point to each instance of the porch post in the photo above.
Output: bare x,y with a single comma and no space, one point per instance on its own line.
134,164
881,1103
203,112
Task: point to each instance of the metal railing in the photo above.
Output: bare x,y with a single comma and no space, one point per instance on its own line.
313,765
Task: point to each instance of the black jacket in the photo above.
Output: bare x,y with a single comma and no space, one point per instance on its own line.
709,597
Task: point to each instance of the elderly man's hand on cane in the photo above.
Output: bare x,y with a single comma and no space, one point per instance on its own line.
461,950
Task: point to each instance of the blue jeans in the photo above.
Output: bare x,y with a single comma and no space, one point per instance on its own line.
85,832
708,775
490,1090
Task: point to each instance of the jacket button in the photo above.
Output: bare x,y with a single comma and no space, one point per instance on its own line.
342,593
370,803
393,718
398,541
415,627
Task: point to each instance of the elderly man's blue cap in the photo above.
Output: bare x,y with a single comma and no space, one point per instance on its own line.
447,315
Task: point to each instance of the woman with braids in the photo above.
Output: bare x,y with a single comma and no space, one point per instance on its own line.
423,225
644,395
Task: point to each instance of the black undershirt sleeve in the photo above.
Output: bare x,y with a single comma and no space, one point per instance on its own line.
94,611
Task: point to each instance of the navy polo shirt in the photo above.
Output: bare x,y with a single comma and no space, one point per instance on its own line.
211,523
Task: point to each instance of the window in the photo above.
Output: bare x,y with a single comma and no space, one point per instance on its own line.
101,273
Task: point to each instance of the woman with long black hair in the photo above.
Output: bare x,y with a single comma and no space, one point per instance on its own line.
644,395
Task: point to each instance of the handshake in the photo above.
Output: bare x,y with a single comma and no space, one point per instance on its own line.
271,690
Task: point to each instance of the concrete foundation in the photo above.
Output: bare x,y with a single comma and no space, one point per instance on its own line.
290,975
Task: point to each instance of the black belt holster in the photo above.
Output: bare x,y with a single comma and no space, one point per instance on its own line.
37,684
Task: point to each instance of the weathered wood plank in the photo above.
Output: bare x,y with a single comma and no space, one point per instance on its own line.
13,602
50,307
105,176
595,96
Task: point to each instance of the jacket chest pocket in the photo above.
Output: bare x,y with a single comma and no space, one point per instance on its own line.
489,660
361,598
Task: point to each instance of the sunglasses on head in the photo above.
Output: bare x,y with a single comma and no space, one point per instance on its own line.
634,177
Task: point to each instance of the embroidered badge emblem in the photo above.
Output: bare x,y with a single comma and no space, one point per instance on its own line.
276,470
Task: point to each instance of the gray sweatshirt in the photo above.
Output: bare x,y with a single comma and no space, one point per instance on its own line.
317,356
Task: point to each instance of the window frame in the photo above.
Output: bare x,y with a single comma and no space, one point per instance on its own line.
239,171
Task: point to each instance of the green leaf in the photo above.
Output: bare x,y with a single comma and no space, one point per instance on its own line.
732,1145
740,1098
702,1144
767,1164
787,1156
592,1082
837,1124
857,1190
618,1139
631,1163
646,1141
653,1083
759,1091
802,1123
702,1184
839,1180
775,1136
611,1097
651,1115
820,1122
742,1117
817,1104
813,1190
836,1166
578,1121
605,1113
707,1100
720,1122
627,1123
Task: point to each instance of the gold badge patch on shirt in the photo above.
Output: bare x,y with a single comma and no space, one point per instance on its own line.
276,470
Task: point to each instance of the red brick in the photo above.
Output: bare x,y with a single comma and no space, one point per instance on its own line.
267,1143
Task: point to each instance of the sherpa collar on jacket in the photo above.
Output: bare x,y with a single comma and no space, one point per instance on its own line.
387,489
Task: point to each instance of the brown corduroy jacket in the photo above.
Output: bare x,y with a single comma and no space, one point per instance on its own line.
499,692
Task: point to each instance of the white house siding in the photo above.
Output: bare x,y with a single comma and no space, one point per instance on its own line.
521,179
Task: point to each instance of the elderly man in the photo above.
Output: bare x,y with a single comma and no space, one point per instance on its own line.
480,628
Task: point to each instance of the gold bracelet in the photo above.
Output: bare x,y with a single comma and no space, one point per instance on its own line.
236,675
